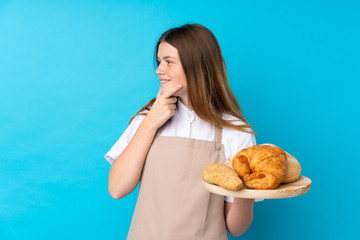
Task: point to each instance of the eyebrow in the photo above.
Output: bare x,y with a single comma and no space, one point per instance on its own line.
166,57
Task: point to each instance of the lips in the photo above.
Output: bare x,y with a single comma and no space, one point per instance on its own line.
163,81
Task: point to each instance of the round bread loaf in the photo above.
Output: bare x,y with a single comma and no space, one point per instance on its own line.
293,169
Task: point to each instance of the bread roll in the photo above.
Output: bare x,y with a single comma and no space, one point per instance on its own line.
222,175
293,169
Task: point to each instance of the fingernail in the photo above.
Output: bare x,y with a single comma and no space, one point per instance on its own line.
180,85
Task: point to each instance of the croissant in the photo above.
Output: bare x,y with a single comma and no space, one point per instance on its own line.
261,166
293,167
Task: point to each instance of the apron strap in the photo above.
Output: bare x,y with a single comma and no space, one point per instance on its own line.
218,134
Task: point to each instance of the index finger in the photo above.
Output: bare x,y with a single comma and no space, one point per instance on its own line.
172,91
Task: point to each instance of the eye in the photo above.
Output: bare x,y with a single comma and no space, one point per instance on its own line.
168,62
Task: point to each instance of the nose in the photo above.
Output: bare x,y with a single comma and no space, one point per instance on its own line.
160,70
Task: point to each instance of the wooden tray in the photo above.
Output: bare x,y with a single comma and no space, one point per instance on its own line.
288,190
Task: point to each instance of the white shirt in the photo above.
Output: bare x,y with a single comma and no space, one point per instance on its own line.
185,123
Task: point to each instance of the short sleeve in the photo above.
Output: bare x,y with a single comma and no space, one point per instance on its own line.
124,139
239,142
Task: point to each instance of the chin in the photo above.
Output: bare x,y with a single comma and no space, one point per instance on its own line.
167,86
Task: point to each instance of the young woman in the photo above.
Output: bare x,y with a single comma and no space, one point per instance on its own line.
195,120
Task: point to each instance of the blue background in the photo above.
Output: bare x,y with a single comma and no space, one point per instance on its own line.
72,73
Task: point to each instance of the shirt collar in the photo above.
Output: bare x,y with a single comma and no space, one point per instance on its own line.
184,112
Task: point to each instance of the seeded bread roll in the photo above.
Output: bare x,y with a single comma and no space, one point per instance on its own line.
222,175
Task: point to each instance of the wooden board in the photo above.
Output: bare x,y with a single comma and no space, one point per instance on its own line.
288,190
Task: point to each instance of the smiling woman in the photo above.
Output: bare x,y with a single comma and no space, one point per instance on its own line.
195,120
171,72
195,52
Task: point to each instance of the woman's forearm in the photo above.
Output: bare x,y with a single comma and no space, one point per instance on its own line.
239,215
125,172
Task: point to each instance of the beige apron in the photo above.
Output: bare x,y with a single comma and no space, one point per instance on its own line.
172,201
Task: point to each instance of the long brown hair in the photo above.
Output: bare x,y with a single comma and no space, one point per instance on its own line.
204,67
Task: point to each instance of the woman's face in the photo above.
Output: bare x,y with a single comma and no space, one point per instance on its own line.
170,70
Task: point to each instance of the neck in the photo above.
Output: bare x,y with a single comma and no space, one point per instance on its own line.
186,102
